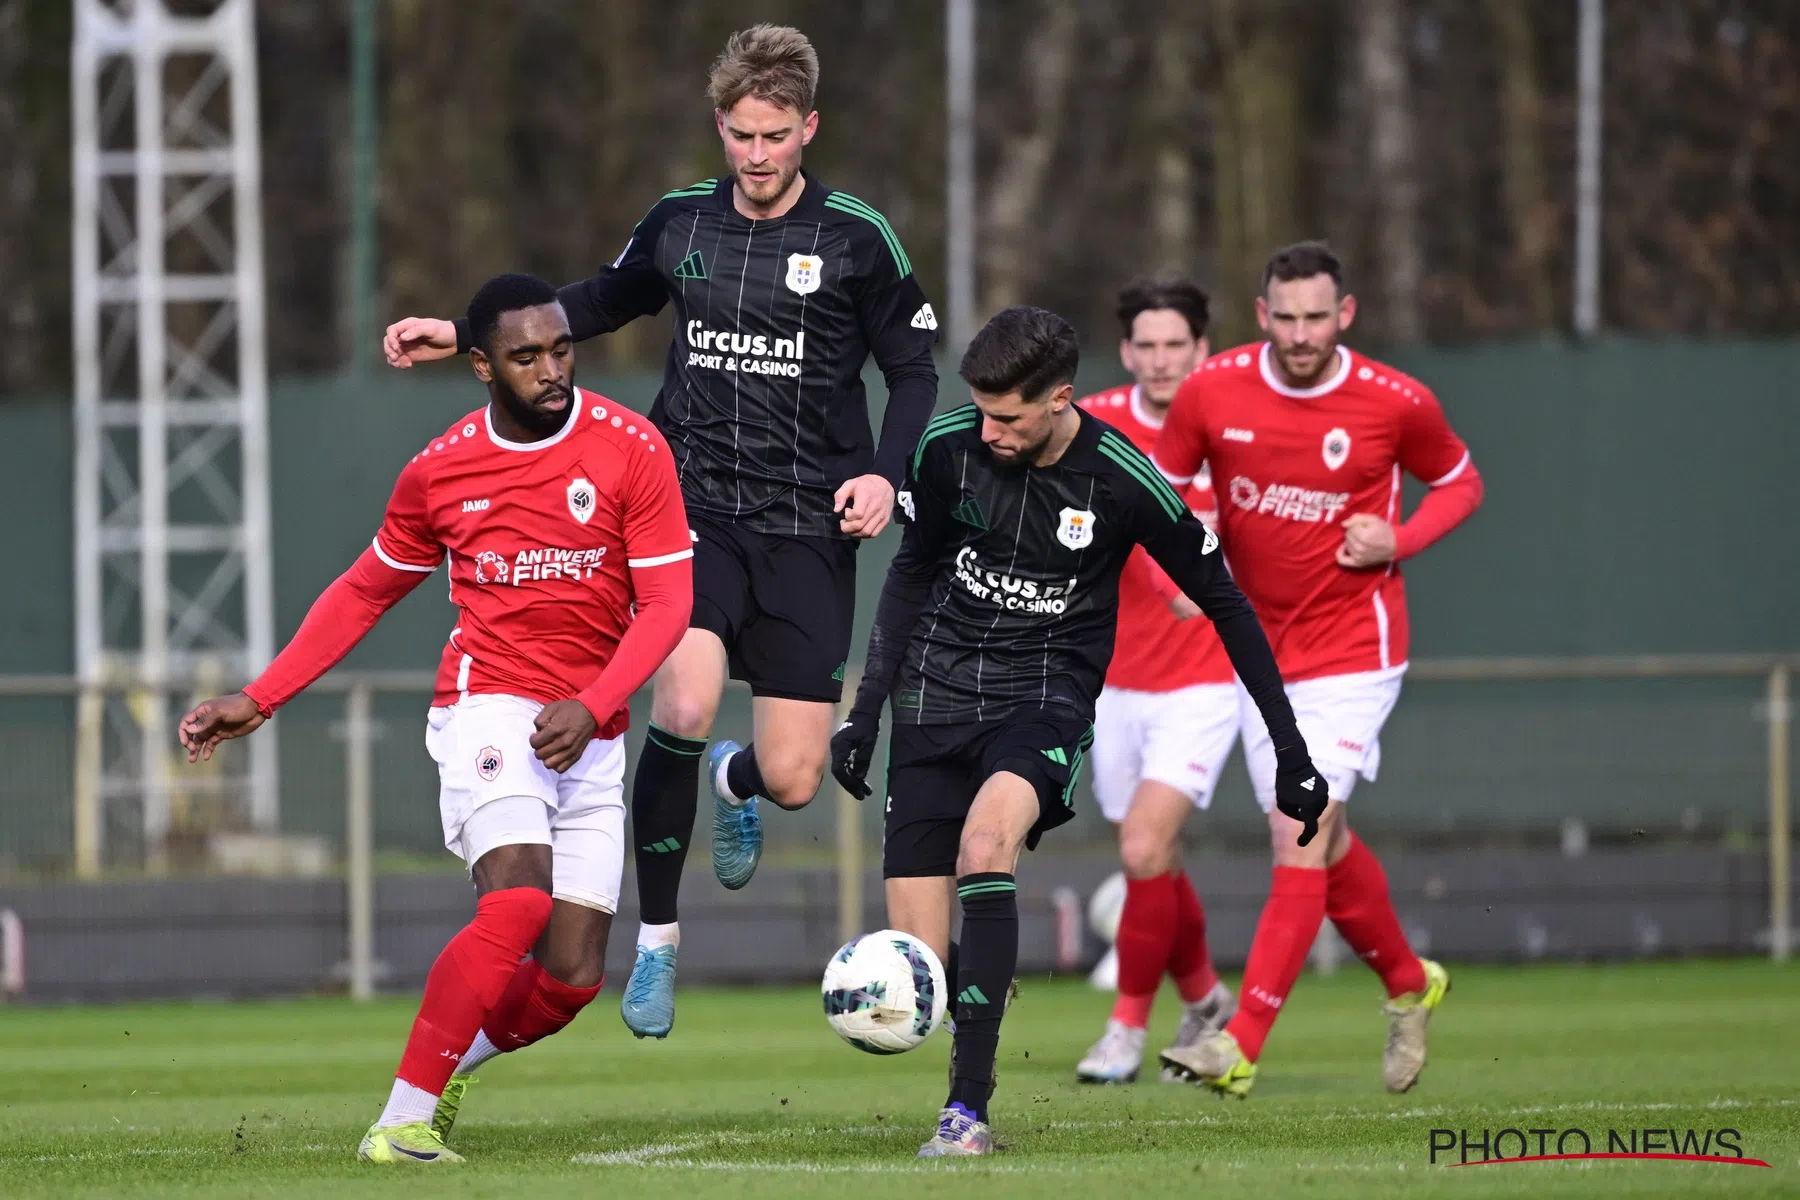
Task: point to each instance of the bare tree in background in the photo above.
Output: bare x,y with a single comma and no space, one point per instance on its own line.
1171,112
613,44
34,194
1256,150
19,314
1393,164
1015,189
445,170
1529,211
1433,139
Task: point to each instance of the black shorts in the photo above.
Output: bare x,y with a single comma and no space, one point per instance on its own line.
934,772
782,605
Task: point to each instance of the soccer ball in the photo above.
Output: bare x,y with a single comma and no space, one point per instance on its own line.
884,992
1106,906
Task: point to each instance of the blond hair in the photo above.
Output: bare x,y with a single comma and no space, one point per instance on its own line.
771,62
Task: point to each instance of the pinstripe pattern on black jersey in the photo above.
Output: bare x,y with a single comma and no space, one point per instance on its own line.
766,429
1020,617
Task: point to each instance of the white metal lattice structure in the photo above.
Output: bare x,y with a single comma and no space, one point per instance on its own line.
172,557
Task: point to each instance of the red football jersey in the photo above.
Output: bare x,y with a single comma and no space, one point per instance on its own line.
541,538
1290,465
1152,650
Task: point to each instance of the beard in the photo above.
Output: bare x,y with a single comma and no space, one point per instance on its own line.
540,421
1020,459
765,193
1322,358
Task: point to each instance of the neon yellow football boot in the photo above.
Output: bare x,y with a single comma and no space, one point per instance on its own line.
1218,1062
449,1104
416,1143
1408,1016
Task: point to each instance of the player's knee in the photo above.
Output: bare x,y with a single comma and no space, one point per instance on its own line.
573,948
688,715
983,851
578,966
792,776
791,772
1285,832
1143,854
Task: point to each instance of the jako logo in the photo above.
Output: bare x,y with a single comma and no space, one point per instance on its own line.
1239,435
475,505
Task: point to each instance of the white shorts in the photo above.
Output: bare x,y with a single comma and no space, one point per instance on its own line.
1180,738
482,746
1340,716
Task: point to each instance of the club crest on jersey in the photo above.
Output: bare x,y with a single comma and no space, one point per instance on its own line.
804,272
1337,448
488,762
1075,528
581,500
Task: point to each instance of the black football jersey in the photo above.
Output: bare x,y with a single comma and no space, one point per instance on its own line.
762,399
1026,563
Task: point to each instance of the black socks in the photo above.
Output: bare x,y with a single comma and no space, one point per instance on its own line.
743,776
986,959
664,797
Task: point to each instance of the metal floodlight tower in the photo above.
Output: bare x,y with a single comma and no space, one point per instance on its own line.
172,558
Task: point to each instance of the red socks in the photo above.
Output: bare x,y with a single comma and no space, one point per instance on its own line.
1190,962
1290,921
467,980
1357,902
1146,938
535,1005
1163,928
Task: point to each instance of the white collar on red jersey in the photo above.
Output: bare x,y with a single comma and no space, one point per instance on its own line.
1330,385
575,403
1145,417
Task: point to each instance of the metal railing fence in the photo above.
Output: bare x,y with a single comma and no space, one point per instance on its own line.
1480,748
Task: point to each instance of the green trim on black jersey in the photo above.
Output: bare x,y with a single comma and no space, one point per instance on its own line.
844,202
705,187
1143,470
951,422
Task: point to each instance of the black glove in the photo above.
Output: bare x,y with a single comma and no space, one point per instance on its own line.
1300,791
853,750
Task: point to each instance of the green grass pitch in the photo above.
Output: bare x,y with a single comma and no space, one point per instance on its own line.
753,1096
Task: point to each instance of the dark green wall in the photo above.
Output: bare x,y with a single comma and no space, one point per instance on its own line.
1638,500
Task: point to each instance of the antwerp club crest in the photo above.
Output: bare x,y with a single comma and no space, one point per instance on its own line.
488,762
804,271
581,500
1337,448
1075,528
